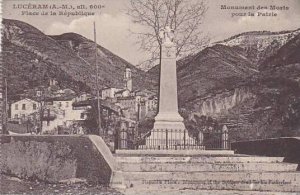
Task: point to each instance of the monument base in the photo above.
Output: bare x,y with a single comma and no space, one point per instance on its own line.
171,121
169,132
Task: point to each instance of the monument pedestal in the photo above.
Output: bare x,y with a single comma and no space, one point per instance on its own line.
169,120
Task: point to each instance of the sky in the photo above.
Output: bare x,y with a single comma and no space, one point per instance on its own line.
114,26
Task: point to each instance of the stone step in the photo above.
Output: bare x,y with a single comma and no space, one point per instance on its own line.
205,167
133,191
251,181
194,152
199,159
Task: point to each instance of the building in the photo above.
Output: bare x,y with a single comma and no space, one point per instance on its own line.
52,82
64,92
109,92
83,97
151,103
128,79
135,104
122,93
133,107
59,112
24,109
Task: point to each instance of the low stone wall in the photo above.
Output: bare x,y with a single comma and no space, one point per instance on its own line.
288,147
56,158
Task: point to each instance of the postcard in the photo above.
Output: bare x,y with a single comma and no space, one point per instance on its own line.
150,97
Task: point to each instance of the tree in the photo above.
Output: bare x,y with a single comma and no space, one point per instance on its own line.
183,16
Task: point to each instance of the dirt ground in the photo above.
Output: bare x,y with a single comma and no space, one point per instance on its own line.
13,185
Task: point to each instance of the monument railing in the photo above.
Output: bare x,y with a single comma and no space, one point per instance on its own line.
172,139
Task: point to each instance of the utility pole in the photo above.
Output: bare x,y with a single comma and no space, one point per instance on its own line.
2,102
5,107
101,133
40,95
4,111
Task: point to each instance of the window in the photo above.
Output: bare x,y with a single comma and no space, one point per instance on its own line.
23,106
67,104
16,116
59,104
38,93
82,115
34,106
16,106
23,116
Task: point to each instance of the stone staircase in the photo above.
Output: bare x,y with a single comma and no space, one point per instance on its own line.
202,170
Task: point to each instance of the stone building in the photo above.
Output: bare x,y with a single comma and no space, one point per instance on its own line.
59,112
24,108
128,79
135,104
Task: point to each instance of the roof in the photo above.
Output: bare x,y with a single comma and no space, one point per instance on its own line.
67,89
126,98
110,88
28,99
121,91
83,93
153,97
127,66
104,104
62,98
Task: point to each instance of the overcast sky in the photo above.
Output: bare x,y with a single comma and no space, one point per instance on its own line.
113,23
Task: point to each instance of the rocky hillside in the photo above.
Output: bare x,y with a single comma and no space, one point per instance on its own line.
214,69
252,89
32,57
287,54
250,82
264,104
259,45
111,67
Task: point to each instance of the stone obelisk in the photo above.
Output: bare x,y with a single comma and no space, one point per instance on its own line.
168,118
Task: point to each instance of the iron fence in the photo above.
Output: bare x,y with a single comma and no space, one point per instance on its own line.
170,139
173,139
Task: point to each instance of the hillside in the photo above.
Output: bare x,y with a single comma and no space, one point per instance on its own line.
32,58
213,69
264,104
111,66
226,83
287,54
259,45
250,82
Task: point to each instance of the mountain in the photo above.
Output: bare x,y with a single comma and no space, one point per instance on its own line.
250,82
111,67
213,69
259,45
287,54
31,58
262,104
253,90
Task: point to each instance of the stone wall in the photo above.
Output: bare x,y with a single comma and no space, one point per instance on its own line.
55,158
288,147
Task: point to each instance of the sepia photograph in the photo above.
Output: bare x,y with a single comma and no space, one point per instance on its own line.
136,97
